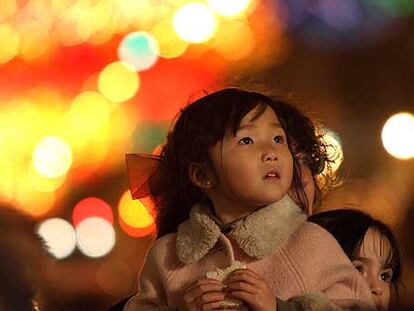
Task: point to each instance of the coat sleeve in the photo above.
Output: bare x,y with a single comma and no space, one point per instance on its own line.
151,294
329,280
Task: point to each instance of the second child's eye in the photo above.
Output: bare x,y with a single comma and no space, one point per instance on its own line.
246,141
386,276
279,139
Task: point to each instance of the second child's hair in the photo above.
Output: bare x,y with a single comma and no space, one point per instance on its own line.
349,227
201,125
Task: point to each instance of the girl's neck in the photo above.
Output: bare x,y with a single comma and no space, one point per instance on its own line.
230,214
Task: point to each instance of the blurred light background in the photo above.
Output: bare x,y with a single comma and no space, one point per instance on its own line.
82,82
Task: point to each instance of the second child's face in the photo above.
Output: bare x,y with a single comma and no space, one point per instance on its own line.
255,166
370,262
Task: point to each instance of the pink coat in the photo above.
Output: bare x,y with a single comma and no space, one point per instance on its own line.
299,260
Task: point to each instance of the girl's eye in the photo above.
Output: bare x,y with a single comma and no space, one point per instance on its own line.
279,139
360,268
246,141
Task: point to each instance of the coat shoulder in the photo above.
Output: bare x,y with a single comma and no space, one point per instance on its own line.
317,255
163,251
312,238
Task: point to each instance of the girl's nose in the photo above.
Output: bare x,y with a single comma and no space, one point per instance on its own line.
269,156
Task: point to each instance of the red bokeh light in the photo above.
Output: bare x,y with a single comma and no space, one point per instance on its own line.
92,207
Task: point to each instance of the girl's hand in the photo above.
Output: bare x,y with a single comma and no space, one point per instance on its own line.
204,295
248,286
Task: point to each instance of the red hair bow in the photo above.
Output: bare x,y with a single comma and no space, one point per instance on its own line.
141,169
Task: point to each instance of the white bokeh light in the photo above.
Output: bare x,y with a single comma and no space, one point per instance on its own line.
229,7
59,237
139,49
95,237
333,149
398,135
195,22
52,157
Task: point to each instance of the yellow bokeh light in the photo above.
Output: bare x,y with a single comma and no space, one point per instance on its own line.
73,27
34,40
133,212
118,82
44,184
52,157
8,178
101,15
229,7
143,14
195,22
11,41
31,201
100,143
398,135
89,111
39,11
8,9
235,40
170,45
59,7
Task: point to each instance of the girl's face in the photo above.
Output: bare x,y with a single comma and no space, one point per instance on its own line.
254,167
370,262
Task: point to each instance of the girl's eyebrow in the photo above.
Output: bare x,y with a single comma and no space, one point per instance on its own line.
275,125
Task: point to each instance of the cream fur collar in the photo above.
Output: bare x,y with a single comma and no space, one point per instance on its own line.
258,235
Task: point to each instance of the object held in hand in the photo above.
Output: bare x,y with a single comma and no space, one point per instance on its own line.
221,275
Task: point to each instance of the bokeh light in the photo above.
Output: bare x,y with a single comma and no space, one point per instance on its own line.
139,49
44,184
92,207
195,22
31,201
118,82
59,237
11,36
8,9
334,149
134,217
34,40
398,135
169,43
229,7
234,47
394,7
52,157
95,237
89,111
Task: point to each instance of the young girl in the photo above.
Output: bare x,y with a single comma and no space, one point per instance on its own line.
371,246
223,187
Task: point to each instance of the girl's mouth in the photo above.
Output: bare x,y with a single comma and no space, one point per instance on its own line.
272,175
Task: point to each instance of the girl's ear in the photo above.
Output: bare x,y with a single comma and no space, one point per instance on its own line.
199,175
